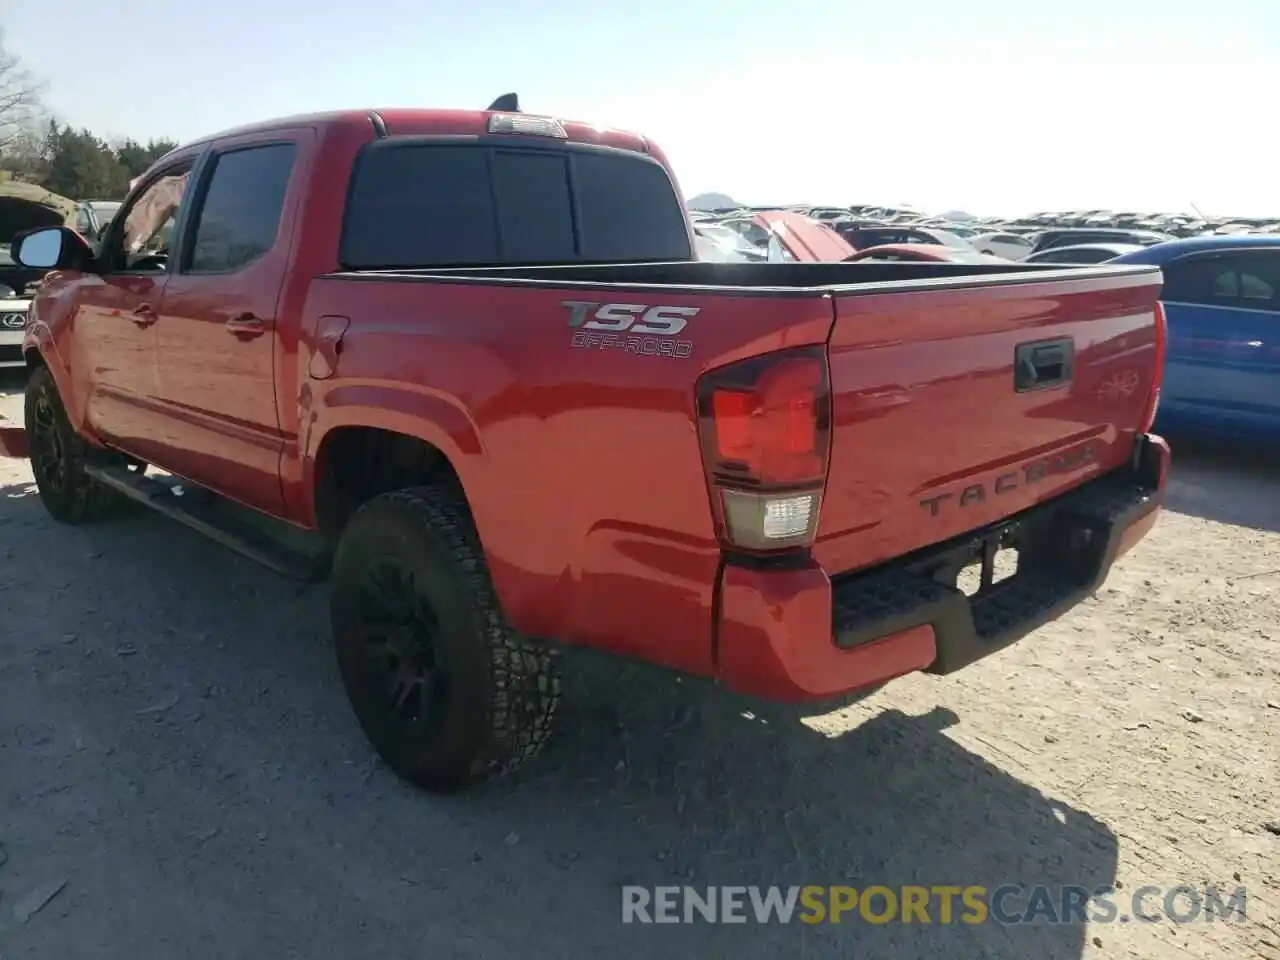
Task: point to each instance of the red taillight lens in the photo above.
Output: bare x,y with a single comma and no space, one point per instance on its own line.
765,428
1157,378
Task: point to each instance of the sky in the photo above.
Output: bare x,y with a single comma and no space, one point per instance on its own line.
989,106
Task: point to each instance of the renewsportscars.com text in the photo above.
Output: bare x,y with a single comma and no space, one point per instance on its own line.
1010,904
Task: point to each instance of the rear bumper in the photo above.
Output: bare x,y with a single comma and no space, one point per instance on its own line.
797,635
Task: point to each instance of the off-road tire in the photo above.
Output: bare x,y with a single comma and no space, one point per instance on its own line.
58,457
500,688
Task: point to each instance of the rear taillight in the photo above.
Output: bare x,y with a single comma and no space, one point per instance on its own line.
1157,378
765,429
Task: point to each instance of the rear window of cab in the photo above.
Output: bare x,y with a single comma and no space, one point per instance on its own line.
416,204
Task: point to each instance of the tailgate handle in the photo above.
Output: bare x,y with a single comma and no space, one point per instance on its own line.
1041,364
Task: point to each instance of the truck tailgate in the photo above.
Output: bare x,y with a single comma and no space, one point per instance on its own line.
957,407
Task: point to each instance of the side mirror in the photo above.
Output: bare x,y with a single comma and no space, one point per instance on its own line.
51,248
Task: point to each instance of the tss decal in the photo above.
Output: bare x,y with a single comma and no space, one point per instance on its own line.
630,327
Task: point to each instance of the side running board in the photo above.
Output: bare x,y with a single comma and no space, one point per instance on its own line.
229,524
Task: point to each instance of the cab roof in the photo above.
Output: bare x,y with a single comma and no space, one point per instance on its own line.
417,121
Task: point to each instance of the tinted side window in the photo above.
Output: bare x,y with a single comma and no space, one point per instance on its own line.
871,238
1241,280
627,209
1191,281
240,213
1090,256
1259,279
1064,256
1059,241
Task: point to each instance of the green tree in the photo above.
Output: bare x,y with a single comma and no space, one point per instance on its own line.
75,163
82,166
136,158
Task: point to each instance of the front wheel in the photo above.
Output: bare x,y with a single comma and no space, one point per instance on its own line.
445,690
58,455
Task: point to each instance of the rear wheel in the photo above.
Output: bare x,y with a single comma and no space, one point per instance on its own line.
445,690
58,458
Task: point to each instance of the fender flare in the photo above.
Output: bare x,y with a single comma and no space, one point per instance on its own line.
40,341
432,418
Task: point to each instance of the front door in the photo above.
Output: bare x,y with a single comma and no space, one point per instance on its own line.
115,323
217,329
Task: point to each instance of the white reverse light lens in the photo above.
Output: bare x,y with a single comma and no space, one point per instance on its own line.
787,518
759,521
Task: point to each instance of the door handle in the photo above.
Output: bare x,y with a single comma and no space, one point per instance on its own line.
247,325
144,315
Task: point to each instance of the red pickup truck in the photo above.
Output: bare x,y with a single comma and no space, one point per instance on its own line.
465,365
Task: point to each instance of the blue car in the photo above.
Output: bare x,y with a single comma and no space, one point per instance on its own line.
1222,300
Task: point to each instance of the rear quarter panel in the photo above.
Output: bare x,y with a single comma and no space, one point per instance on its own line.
580,460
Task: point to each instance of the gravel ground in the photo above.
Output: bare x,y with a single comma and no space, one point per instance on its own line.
177,760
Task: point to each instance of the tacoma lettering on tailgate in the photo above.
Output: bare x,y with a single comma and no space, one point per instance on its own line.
1024,476
630,327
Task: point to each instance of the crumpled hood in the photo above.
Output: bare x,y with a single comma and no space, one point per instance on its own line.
809,241
24,206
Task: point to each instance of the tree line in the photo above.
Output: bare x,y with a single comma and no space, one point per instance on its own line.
78,164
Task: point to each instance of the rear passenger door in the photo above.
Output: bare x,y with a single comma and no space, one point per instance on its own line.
219,331
1223,311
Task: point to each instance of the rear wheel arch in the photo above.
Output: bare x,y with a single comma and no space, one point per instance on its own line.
354,463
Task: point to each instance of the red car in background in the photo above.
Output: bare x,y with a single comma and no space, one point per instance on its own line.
795,237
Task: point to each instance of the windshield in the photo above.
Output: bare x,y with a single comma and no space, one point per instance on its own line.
729,238
949,239
104,210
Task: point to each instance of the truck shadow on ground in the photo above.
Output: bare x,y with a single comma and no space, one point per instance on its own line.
184,757
1226,481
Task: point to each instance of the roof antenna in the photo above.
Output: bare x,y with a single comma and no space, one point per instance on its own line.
507,103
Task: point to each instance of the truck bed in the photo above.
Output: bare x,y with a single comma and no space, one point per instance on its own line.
930,435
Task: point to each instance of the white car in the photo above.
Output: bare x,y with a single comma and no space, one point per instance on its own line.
23,206
13,325
1011,246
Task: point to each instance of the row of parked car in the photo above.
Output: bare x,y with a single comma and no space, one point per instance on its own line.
763,235
1222,288
1105,233
1221,291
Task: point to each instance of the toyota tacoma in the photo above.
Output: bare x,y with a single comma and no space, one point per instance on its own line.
466,365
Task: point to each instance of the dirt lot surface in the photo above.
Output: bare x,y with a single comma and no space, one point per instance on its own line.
178,762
